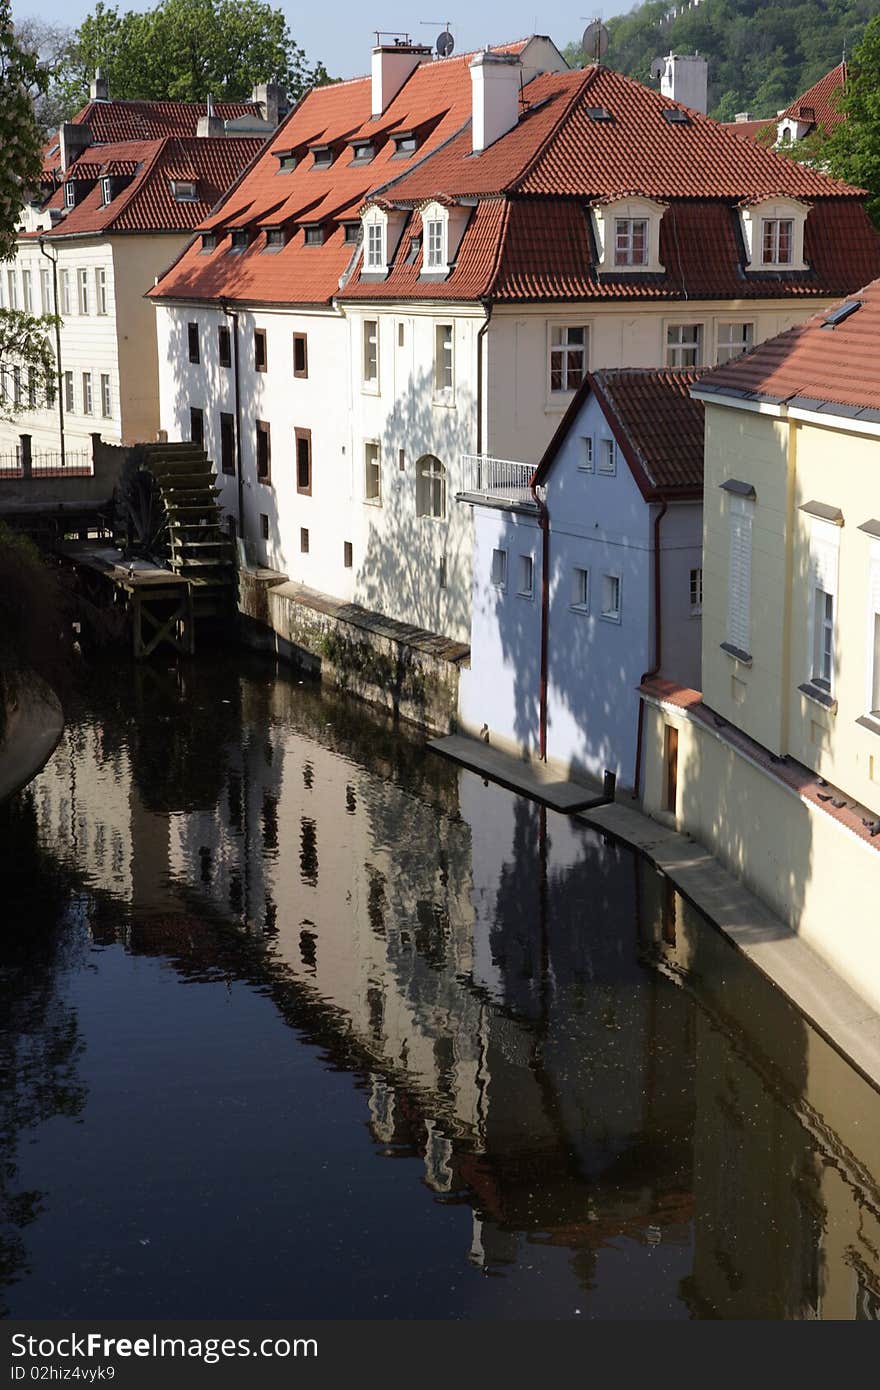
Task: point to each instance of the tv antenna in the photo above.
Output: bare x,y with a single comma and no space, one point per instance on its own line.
445,41
594,41
657,66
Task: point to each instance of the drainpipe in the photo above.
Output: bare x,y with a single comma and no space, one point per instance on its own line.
53,260
544,522
658,644
487,309
234,316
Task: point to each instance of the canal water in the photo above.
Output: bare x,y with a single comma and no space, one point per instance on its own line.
299,1020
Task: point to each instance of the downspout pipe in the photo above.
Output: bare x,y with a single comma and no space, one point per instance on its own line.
658,642
544,523
231,314
487,309
53,260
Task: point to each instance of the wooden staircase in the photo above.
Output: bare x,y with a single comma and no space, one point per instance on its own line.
200,550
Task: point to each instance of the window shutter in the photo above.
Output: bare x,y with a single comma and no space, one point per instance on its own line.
824,555
875,577
739,586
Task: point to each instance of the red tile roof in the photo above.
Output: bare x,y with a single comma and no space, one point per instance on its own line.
656,422
114,121
819,103
749,130
813,364
529,237
147,203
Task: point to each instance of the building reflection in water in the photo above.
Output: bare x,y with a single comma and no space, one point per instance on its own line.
570,1048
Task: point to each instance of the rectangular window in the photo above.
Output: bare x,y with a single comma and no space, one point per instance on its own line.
69,403
32,388
314,236
300,355
192,335
347,554
224,346
611,597
101,290
264,453
303,444
371,352
875,667
87,393
351,232
264,526
66,293
580,590
823,639
239,239
585,458
443,370
434,257
568,357
734,339
227,443
304,540
499,569
16,385
12,282
683,343
106,398
27,292
106,191
83,283
375,255
607,456
631,241
260,357
184,191
322,157
824,557
197,426
70,194
777,241
696,591
46,291
739,580
372,473
525,577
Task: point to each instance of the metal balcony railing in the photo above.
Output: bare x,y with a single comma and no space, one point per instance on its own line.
47,464
499,479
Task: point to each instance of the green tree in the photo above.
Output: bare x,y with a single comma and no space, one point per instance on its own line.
853,151
20,138
183,49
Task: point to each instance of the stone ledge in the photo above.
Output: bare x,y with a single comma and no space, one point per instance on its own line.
34,724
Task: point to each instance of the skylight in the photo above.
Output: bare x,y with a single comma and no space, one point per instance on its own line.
674,116
599,113
842,312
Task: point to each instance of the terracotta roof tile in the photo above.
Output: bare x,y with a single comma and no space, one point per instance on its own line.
814,362
113,121
819,103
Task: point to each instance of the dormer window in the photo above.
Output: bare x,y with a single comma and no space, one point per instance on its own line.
382,231
351,232
274,238
239,239
106,191
435,251
627,234
314,236
406,142
322,156
286,161
184,191
209,241
773,232
70,194
443,226
375,253
363,152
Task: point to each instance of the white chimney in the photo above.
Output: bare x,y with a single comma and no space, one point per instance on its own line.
210,126
98,90
685,78
496,80
392,65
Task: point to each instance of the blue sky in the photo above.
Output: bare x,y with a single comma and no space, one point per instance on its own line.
339,33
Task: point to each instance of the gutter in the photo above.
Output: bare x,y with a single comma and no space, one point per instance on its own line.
544,522
54,263
487,309
658,644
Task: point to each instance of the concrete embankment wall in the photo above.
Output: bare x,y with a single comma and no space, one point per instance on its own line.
404,669
32,725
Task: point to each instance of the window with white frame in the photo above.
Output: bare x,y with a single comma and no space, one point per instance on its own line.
87,393
443,363
580,589
69,194
430,488
106,399
46,291
773,233
184,191
824,558
435,251
568,356
607,456
683,344
499,568
83,284
585,454
69,403
741,511
696,591
101,290
611,597
27,292
777,240
106,191
631,241
371,353
873,691
66,293
525,582
374,253
12,282
372,473
734,339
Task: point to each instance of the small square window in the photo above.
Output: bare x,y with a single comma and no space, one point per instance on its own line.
239,239
607,456
322,157
192,334
684,344
611,597
304,540
499,569
314,236
264,526
585,458
351,233
286,162
260,355
526,577
184,191
300,355
274,238
734,339
580,590
347,554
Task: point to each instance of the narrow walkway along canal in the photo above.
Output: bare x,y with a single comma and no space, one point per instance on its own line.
300,1020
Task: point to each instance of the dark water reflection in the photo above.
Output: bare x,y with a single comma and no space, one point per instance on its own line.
256,945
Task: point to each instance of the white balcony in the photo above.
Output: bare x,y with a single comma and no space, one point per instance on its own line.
495,480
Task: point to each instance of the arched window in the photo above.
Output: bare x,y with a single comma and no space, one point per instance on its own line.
430,487
786,135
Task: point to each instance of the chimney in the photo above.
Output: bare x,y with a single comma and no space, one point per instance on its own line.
742,116
685,78
210,125
270,98
73,139
495,87
392,65
98,87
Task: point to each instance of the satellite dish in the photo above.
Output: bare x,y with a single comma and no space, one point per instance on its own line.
445,44
594,42
657,66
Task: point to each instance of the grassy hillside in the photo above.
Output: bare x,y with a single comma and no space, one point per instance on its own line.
761,53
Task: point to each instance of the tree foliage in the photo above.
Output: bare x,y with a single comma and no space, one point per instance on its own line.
20,137
181,50
853,151
26,357
761,55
